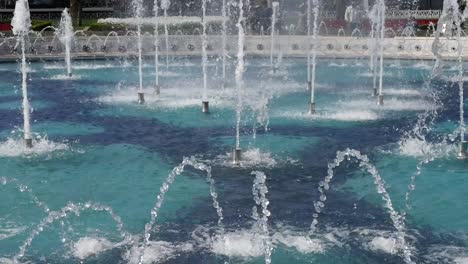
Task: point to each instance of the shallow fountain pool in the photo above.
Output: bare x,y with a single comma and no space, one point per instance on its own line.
94,143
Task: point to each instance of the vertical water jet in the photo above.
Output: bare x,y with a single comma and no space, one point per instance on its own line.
157,87
205,102
275,7
65,34
239,81
138,6
224,42
21,24
315,10
165,4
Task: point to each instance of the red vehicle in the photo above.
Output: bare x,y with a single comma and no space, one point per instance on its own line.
5,27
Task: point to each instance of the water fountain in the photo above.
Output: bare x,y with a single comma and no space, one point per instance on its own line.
156,47
138,9
452,18
165,4
275,6
224,43
21,24
259,190
312,9
205,102
165,188
65,34
364,163
237,152
379,21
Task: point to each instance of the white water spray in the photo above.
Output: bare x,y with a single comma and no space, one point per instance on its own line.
165,188
138,6
204,53
66,211
165,4
65,34
156,46
275,6
239,78
259,190
314,8
398,221
224,41
21,24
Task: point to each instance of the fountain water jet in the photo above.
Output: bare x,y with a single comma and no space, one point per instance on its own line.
21,24
379,20
76,209
398,220
237,153
452,18
165,188
311,69
138,6
165,4
224,42
275,6
156,47
259,190
205,102
65,34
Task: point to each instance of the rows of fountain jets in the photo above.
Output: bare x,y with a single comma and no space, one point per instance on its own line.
21,27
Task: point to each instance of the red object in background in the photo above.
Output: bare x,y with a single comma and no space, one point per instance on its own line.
426,22
5,27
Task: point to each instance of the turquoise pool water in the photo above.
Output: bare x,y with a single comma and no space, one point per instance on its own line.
94,143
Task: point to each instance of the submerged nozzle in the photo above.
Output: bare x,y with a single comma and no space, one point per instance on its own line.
462,150
381,100
70,75
141,98
205,107
236,156
157,90
28,142
375,93
312,108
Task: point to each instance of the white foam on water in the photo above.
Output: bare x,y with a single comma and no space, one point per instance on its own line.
384,244
461,260
16,147
447,254
169,98
252,157
402,92
415,147
89,246
301,243
157,251
243,244
351,115
63,77
6,233
422,66
390,104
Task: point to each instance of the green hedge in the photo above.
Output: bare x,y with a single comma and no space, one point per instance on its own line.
38,25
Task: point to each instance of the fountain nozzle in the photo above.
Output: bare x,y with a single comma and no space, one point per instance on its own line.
157,90
141,98
205,107
236,156
70,75
28,142
375,93
309,86
462,150
312,108
381,100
